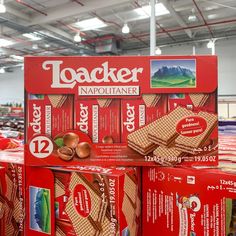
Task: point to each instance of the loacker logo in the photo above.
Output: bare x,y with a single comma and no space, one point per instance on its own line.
36,124
83,120
129,123
68,77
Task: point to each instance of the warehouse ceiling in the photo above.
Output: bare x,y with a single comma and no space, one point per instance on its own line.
49,27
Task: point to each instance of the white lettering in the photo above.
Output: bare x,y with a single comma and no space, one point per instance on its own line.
36,124
83,119
129,123
68,77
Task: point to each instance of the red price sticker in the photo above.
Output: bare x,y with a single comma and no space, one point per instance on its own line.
41,147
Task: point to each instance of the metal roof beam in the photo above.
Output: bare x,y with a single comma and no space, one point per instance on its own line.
177,17
70,9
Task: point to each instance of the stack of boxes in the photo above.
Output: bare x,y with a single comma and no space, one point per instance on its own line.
92,122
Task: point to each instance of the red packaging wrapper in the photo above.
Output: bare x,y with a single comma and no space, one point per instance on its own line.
49,115
98,120
136,113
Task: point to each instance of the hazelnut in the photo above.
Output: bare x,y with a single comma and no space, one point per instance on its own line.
65,153
108,139
71,140
83,150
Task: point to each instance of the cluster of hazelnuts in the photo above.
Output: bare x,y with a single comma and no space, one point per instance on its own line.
72,146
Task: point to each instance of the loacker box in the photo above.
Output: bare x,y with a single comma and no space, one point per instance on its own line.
78,201
12,195
188,201
127,111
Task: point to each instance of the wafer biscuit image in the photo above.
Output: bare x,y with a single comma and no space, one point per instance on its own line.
59,188
138,141
57,100
11,229
163,131
167,153
17,210
138,207
104,102
81,225
133,229
128,210
190,144
98,207
106,227
8,211
199,99
151,100
59,232
130,188
11,188
2,207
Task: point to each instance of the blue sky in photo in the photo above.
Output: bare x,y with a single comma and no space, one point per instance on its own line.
158,64
33,193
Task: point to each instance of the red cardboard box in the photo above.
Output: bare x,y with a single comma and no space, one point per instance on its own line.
120,106
188,201
83,201
12,195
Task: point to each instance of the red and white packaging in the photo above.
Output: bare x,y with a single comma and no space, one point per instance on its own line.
135,114
46,116
188,201
12,195
83,200
98,121
120,106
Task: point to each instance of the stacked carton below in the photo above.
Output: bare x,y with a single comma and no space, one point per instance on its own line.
85,200
189,201
12,195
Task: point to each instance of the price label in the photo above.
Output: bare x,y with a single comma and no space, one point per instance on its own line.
41,147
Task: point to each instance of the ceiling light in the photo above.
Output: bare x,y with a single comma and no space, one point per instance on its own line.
47,45
125,29
35,46
2,70
16,57
77,38
145,11
5,43
192,18
32,36
2,7
212,16
211,44
90,24
158,51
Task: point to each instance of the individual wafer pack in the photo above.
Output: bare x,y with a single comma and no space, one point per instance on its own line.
49,114
84,200
188,201
103,110
193,101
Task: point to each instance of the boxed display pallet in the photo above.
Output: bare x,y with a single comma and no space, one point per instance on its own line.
121,110
189,201
83,200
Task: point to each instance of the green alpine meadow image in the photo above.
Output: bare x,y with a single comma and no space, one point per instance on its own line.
173,73
40,213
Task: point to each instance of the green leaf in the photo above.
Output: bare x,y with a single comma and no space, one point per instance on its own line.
59,142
